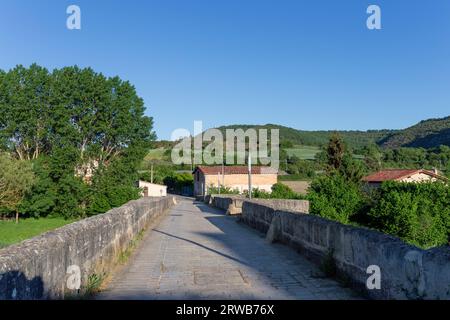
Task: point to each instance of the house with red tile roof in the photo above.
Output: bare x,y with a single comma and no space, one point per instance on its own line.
233,177
403,175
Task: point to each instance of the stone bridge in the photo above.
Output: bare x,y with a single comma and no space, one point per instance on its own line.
198,252
226,248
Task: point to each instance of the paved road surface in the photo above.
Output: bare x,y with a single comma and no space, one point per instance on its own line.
197,252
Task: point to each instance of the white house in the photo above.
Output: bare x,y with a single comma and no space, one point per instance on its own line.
152,189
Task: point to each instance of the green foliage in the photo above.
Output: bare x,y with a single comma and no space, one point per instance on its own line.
282,191
334,197
417,158
427,134
160,172
354,139
40,200
340,160
222,190
113,186
373,157
352,169
70,122
303,168
279,191
16,178
124,256
177,181
303,152
419,213
335,152
93,284
284,144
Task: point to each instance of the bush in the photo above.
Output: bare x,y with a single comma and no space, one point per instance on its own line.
282,191
160,172
259,194
222,190
335,198
279,191
303,168
419,213
178,181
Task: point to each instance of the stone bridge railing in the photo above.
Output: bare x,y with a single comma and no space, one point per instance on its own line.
406,272
60,263
233,204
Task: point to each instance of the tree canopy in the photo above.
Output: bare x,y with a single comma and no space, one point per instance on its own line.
74,122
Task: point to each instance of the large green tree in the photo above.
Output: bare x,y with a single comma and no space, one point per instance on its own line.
16,178
88,133
25,110
335,151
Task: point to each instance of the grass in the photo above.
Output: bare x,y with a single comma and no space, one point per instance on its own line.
125,255
11,233
294,177
303,152
155,154
94,284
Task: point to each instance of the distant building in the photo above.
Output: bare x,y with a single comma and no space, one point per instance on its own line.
402,175
233,177
152,189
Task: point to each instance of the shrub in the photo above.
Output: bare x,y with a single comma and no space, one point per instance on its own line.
177,181
282,191
222,190
333,197
279,191
419,213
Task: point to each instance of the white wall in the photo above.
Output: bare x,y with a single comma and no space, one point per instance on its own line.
419,177
153,189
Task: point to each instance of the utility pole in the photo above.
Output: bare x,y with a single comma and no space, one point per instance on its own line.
218,181
151,174
249,175
223,174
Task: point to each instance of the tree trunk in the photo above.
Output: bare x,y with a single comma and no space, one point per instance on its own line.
17,216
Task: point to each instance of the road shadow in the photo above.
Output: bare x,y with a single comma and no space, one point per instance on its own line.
200,245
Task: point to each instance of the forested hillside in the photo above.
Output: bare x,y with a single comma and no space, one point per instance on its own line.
354,139
426,134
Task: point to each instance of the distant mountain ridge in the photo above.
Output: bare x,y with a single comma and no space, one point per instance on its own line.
354,138
426,134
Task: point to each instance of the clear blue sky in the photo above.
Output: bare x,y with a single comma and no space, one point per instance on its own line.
304,64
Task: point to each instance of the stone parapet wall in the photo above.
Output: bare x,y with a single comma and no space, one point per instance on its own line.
407,272
48,266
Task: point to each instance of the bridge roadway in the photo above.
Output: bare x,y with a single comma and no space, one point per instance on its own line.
197,252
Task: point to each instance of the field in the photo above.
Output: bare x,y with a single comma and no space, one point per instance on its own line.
298,186
303,152
11,233
155,154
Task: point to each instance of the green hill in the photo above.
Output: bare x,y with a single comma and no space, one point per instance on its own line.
355,139
426,134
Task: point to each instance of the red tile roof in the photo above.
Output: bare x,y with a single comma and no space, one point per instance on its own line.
214,170
396,174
